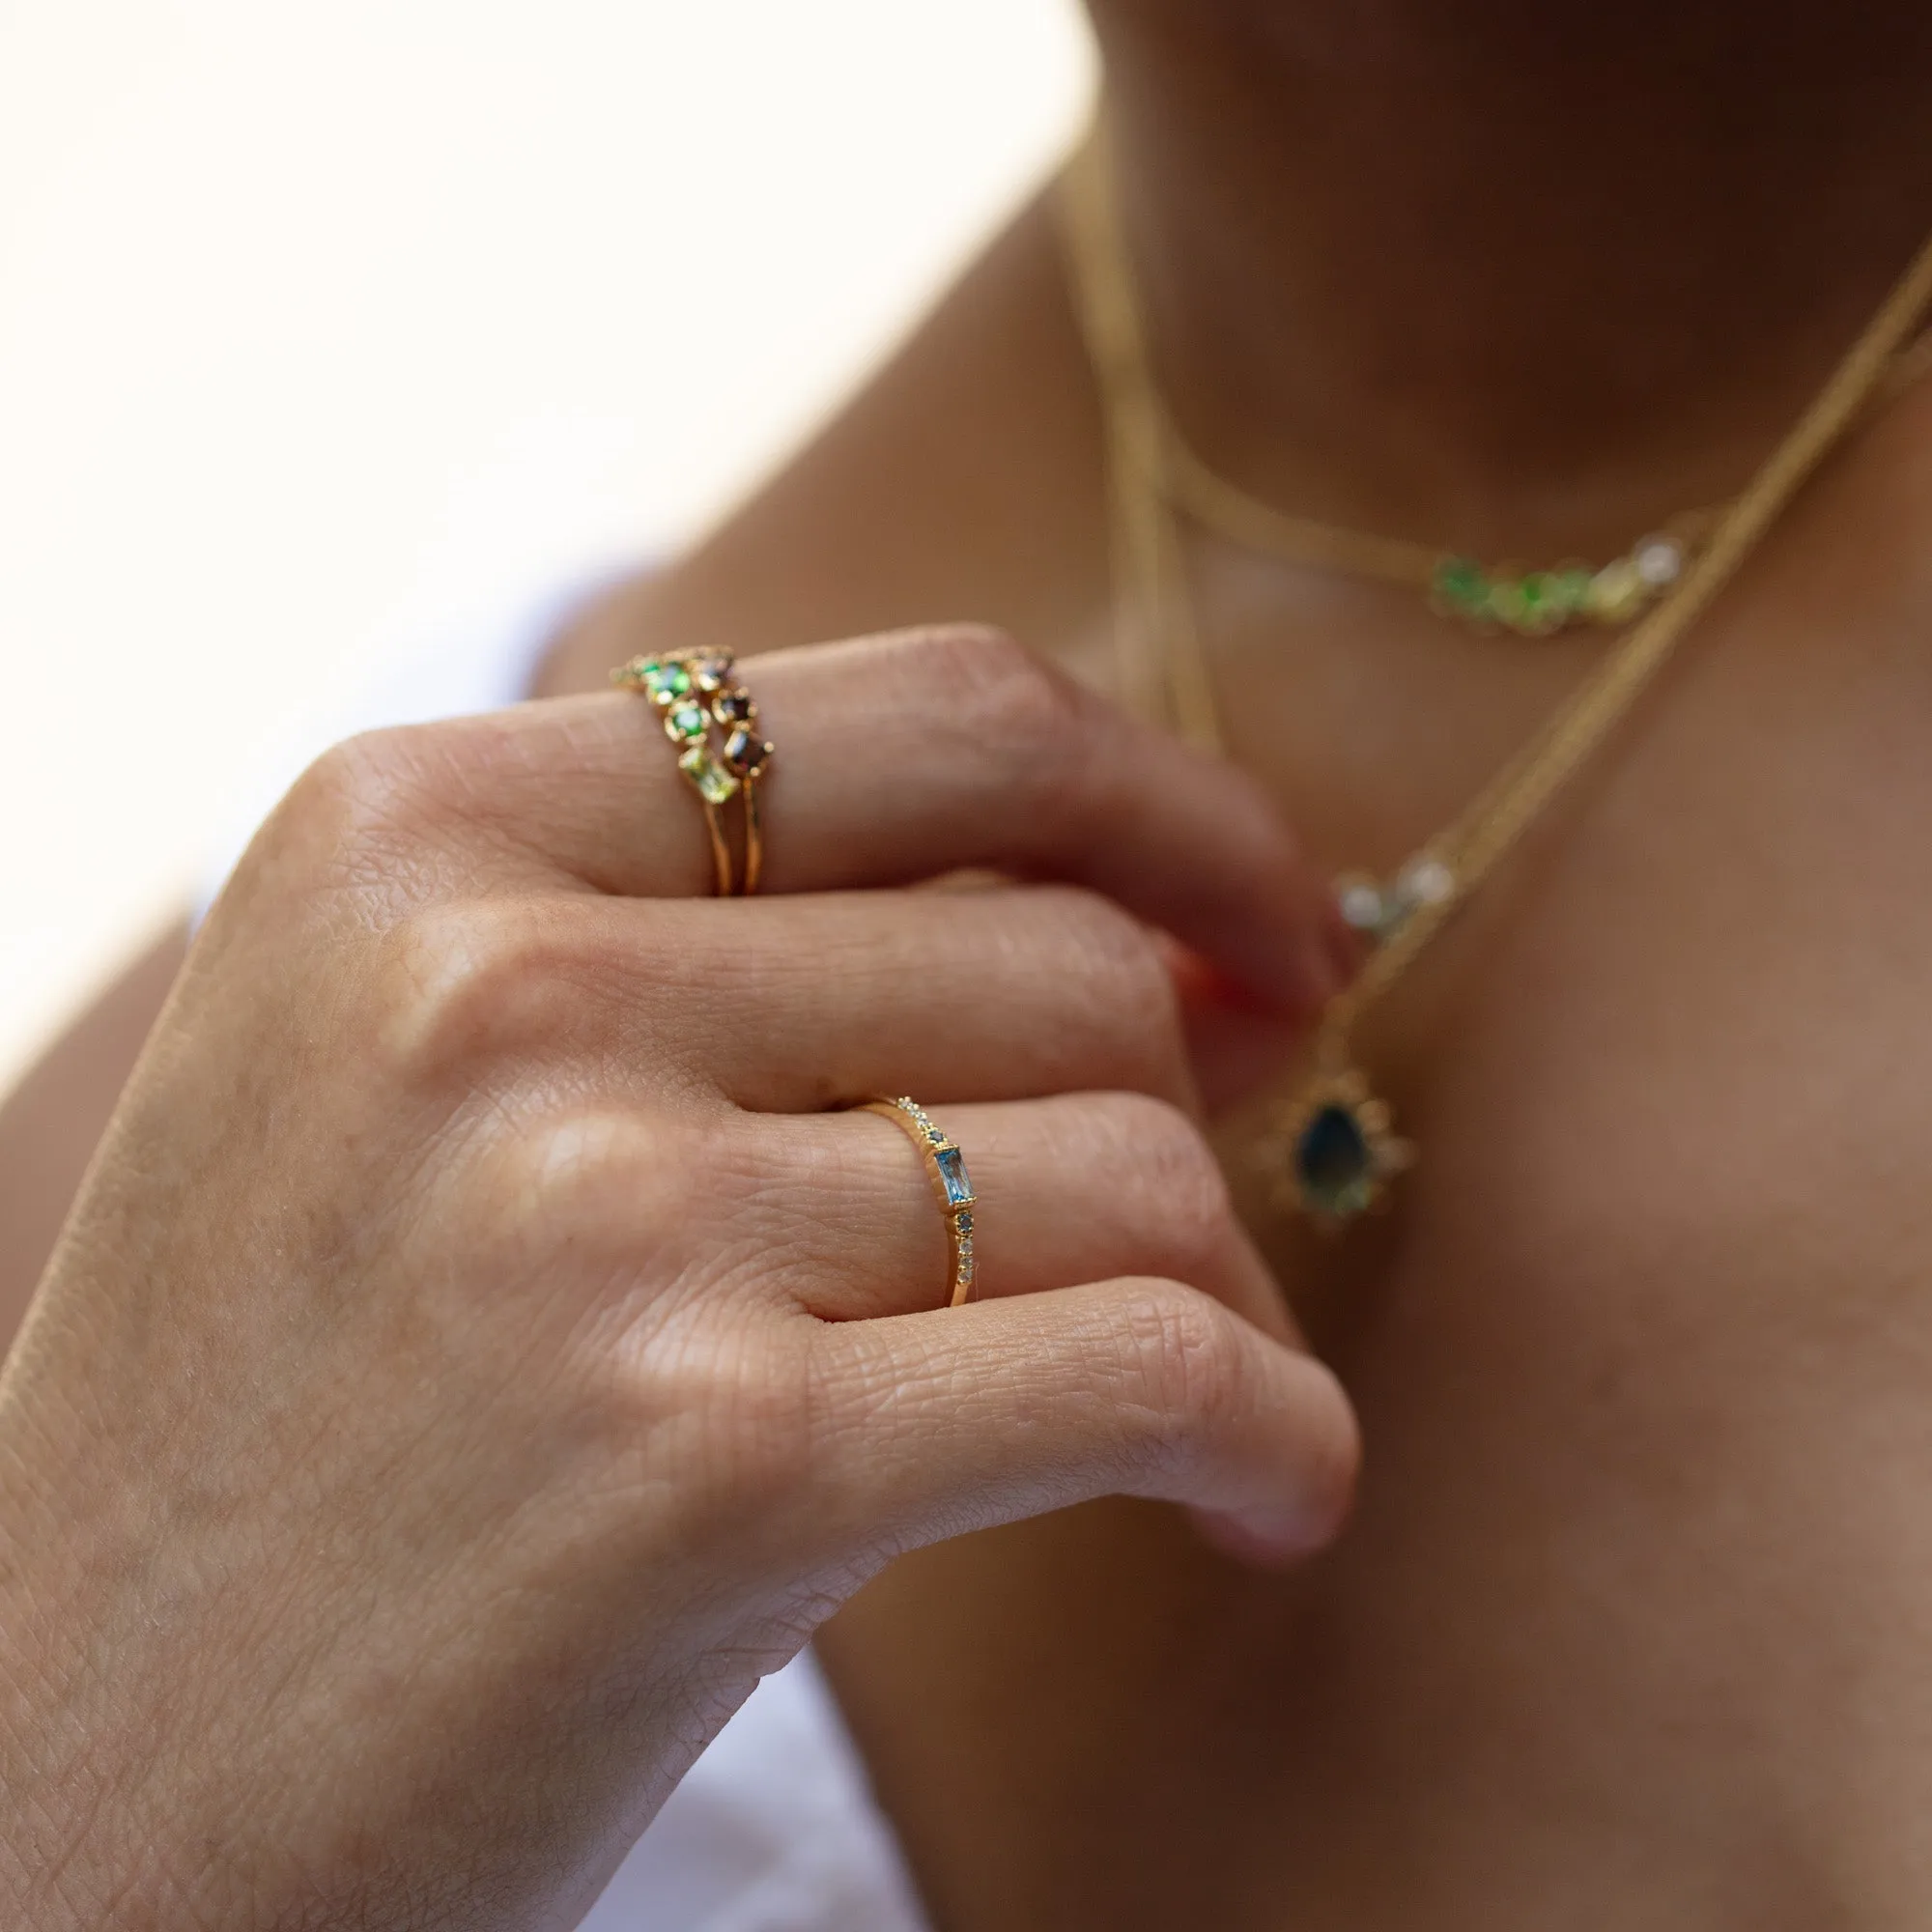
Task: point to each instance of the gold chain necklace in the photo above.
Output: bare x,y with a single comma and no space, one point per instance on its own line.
1333,1149
1531,603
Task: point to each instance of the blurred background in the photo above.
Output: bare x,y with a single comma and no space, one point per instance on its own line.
315,319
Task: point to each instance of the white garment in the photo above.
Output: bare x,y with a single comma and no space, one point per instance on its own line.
775,1827
774,1830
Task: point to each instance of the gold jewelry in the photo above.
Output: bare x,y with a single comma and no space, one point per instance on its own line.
1332,1148
694,696
746,754
946,1167
1532,602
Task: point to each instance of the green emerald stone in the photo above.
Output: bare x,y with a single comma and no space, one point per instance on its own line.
685,719
1334,1165
714,785
666,682
1462,584
1539,602
1509,605
1572,589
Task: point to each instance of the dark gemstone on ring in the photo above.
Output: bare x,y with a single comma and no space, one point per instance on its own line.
733,707
745,753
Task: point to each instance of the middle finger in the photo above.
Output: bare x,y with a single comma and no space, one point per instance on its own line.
794,1004
1000,993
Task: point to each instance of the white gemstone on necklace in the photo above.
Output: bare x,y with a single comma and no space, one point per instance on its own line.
1425,881
1659,560
1362,903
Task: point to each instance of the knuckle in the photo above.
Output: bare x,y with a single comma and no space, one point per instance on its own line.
609,1180
1188,1365
969,654
595,1200
1176,1175
1025,727
647,1203
375,778
1121,958
363,814
1008,698
471,982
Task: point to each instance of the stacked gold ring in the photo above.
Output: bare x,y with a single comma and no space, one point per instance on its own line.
946,1167
713,721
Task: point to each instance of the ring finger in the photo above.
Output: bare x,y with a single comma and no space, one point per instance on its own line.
1076,1188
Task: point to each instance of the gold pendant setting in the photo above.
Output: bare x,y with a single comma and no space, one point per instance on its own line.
1337,1150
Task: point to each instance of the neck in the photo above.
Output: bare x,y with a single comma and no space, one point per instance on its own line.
1499,273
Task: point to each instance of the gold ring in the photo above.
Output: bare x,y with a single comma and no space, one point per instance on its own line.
745,754
713,721
945,1166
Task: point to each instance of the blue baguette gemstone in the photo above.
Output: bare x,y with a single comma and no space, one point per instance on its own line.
952,1176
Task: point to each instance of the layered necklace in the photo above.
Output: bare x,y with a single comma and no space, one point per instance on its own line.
1331,1147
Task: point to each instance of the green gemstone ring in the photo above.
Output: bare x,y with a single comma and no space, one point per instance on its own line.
712,721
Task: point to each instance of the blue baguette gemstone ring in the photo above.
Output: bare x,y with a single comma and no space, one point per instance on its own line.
945,1166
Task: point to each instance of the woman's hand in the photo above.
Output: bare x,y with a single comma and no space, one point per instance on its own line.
479,1353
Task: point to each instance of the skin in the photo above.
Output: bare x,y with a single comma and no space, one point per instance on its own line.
1628,1627
479,1353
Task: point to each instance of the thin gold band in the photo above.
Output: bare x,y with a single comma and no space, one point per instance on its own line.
721,849
946,1169
754,832
746,754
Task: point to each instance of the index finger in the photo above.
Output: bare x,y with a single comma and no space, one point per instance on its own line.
900,758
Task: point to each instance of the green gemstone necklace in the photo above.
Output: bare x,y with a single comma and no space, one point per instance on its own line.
1530,603
1331,1147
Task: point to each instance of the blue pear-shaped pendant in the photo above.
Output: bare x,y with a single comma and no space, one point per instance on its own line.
1335,1150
